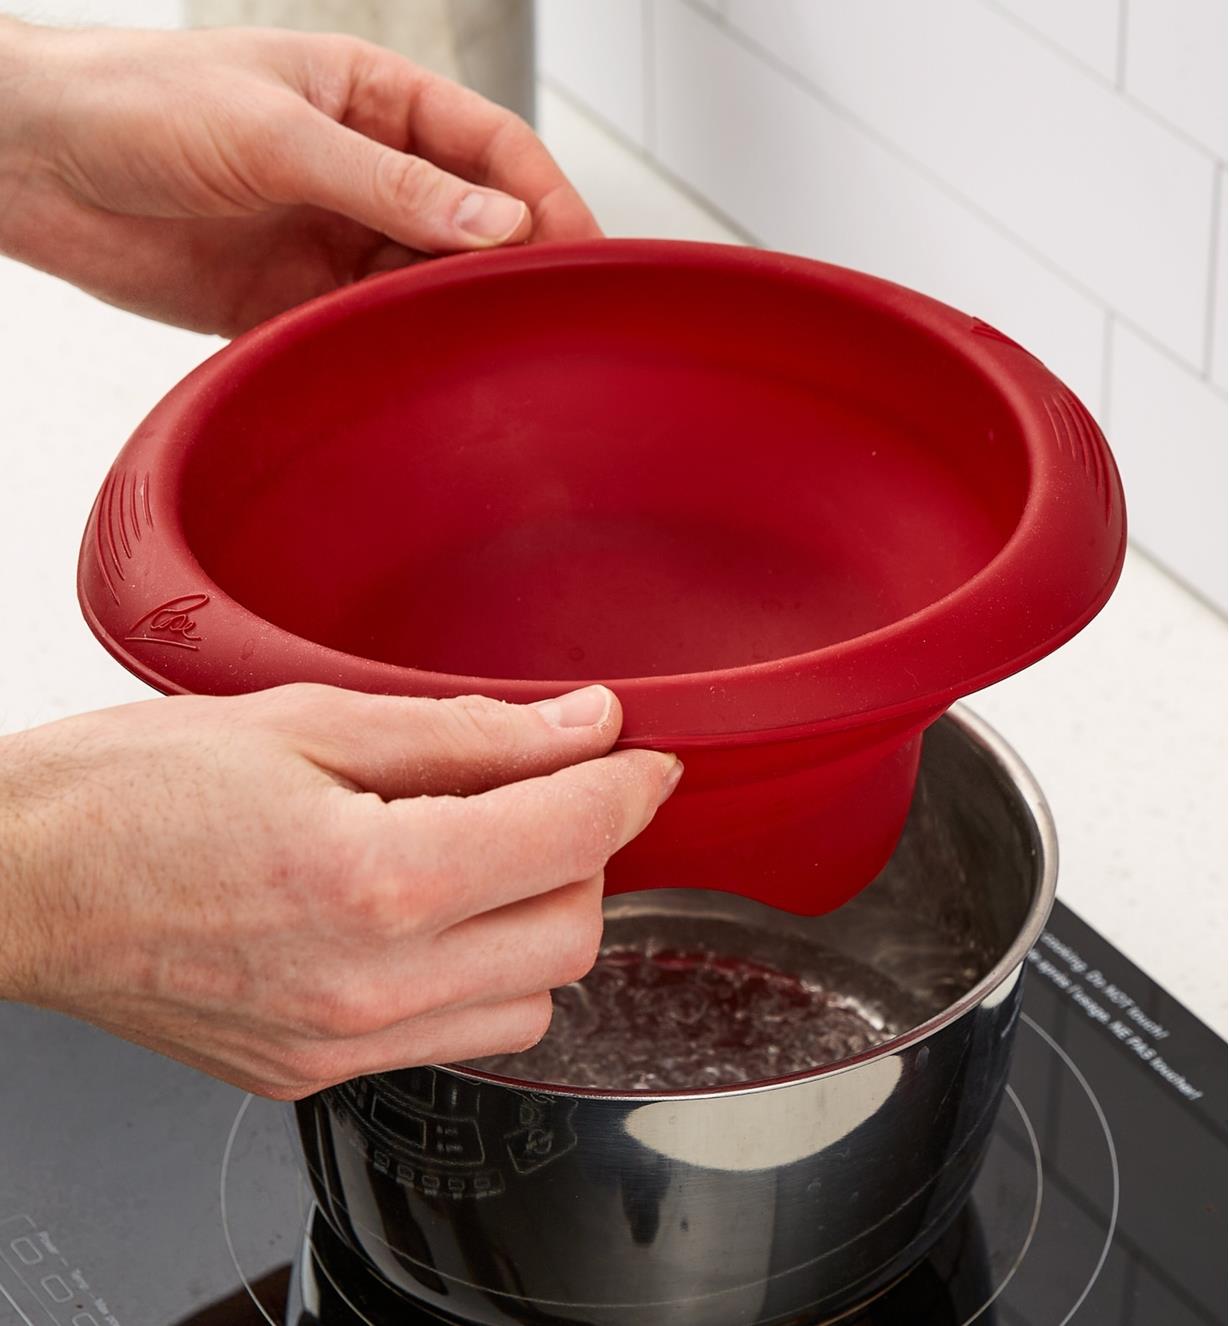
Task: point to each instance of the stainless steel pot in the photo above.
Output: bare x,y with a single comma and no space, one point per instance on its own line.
494,1200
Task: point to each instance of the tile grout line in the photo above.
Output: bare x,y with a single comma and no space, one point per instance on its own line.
654,163
1053,46
1107,362
1215,276
716,13
791,75
648,74
1117,84
773,61
1158,563
1191,370
1120,71
732,224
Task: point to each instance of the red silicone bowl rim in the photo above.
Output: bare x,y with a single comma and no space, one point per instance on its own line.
1020,380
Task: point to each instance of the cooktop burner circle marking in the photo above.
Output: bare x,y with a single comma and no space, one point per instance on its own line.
1034,1219
1113,1155
230,1244
1039,1174
320,1265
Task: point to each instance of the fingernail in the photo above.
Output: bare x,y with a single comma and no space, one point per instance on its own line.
489,216
584,708
672,779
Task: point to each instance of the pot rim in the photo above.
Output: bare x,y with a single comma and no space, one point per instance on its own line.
988,740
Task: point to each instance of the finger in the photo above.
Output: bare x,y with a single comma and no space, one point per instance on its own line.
385,257
439,1038
412,108
529,947
289,1070
399,746
403,196
537,944
438,861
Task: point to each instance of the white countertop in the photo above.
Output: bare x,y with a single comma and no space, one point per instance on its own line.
1124,727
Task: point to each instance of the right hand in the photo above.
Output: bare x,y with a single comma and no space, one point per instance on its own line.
295,887
214,178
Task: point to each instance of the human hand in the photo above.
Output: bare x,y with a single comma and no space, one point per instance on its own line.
215,178
299,886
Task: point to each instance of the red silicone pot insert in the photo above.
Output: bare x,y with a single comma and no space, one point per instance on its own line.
788,512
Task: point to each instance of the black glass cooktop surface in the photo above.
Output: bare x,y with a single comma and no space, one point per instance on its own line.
134,1192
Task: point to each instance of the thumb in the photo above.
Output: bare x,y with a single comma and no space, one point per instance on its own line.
398,746
402,196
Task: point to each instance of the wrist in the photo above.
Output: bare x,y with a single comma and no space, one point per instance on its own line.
22,70
25,843
31,90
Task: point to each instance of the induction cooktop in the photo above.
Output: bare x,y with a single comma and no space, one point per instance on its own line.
135,1192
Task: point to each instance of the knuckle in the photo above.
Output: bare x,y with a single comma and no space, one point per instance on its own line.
315,1018
302,1066
576,965
534,1022
374,904
409,183
310,1066
598,817
414,902
583,945
348,1011
284,1090
295,697
512,136
519,128
342,46
479,719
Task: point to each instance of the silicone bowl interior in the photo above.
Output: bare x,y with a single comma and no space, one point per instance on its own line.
788,511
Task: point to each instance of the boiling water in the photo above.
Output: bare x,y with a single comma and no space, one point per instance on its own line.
669,1020
657,1014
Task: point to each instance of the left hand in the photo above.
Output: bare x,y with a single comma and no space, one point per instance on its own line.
215,178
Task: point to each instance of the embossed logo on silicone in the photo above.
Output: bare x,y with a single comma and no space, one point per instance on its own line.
170,623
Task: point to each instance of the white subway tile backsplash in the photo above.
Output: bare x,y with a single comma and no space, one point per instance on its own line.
595,49
1167,431
1217,351
801,177
1085,29
979,150
627,196
1176,64
1078,173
